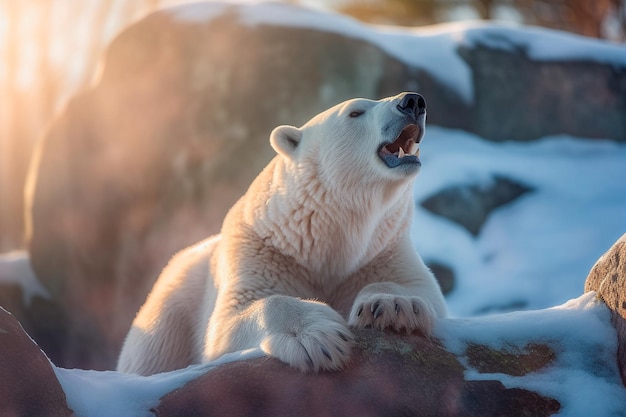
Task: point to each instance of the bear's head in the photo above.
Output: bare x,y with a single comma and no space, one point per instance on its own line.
358,143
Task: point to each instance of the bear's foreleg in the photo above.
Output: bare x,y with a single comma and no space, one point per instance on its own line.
305,334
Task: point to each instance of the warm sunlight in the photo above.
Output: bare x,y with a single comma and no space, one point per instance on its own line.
49,50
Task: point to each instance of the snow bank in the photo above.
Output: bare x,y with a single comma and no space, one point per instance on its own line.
584,377
107,394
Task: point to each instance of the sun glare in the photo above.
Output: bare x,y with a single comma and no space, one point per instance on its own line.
49,50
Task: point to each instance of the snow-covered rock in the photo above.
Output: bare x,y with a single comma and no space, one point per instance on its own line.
388,375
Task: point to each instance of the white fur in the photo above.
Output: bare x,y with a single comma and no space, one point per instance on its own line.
320,236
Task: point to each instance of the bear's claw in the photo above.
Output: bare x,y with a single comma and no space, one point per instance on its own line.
400,313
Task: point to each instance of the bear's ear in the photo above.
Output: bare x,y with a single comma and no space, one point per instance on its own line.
285,139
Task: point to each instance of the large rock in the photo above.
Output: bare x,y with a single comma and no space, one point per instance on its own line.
151,158
388,375
29,386
608,279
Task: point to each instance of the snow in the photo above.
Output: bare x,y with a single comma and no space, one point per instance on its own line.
584,377
538,250
113,394
430,48
546,45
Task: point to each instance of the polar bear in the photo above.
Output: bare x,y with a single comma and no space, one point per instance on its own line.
318,244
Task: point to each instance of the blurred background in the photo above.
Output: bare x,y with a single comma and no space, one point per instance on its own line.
127,132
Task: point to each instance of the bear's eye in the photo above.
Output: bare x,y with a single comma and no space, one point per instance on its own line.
356,113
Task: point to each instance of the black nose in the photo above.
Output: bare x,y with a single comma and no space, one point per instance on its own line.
412,104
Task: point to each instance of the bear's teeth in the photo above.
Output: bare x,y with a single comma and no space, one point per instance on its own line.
401,153
414,148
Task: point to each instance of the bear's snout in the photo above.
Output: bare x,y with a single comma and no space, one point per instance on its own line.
412,104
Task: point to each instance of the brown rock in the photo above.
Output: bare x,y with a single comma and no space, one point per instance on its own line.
608,278
516,363
28,384
388,375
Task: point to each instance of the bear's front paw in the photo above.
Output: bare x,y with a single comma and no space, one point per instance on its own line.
401,313
319,341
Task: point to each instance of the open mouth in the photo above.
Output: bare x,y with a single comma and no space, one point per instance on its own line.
404,150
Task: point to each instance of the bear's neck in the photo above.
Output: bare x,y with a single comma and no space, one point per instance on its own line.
327,231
